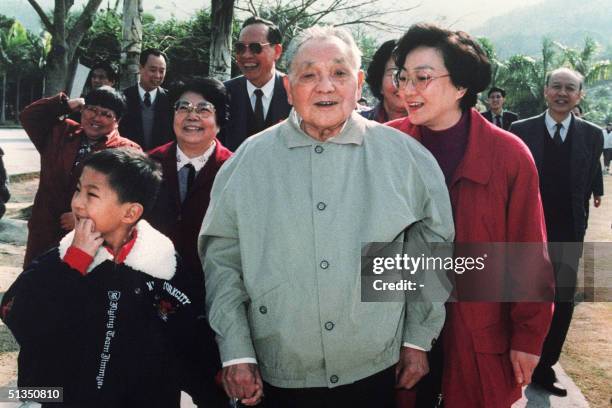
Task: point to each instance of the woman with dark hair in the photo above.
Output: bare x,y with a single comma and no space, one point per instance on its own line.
380,80
190,165
489,348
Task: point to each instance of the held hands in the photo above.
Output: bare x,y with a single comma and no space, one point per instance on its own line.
67,221
523,365
76,104
86,238
411,367
243,381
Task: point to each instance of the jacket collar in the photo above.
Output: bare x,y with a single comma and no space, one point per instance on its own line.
153,253
352,132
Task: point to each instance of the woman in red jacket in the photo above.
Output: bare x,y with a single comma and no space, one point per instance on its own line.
489,347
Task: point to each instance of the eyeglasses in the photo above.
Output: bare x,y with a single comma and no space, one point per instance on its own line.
420,80
96,111
255,47
204,109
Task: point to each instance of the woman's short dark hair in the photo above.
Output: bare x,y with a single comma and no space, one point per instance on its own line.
211,89
464,59
109,98
376,69
108,67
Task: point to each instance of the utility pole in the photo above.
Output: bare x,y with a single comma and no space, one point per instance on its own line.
131,43
222,15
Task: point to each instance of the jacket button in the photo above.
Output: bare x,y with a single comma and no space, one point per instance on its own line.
329,326
137,291
333,379
321,206
156,297
324,264
319,149
263,309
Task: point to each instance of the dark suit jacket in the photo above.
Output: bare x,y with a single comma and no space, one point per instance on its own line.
235,132
130,125
507,118
587,146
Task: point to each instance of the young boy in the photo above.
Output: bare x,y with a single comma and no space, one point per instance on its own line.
101,314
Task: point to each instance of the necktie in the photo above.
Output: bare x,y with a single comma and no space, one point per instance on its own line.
147,99
498,121
259,115
557,137
190,170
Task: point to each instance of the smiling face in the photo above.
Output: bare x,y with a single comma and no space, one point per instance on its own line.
194,131
153,72
562,93
257,68
323,86
437,105
99,77
98,121
96,200
394,106
496,101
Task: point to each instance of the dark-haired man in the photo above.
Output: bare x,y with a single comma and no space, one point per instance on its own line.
148,121
63,144
566,152
496,113
257,97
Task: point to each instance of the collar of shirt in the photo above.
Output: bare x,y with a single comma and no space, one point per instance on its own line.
142,92
550,125
268,91
198,162
125,249
347,135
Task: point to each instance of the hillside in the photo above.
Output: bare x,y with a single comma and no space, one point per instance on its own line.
566,21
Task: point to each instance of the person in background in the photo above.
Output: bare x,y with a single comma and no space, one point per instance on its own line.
147,120
257,97
5,194
189,168
607,152
567,152
577,111
63,144
496,113
380,79
103,74
489,347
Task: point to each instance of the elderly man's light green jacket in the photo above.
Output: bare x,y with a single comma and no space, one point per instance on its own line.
281,245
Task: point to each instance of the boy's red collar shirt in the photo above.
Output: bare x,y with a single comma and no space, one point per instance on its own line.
79,260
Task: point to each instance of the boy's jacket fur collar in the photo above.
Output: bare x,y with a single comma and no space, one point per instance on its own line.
153,253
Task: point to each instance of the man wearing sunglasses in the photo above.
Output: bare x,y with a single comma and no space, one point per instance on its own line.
63,144
257,98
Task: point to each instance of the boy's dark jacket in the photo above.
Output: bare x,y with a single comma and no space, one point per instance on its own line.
109,337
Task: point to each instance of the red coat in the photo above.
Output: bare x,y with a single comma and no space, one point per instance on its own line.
57,141
495,197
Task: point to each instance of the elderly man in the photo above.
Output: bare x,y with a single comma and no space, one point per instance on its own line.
281,240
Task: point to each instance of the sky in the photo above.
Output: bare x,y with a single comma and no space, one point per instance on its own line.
458,14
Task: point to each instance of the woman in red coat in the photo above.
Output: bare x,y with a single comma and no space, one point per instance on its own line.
489,348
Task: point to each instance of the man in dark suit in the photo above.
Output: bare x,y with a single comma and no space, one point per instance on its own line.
257,98
148,118
496,113
566,151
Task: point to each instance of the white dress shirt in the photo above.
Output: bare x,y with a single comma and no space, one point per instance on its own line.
197,162
142,92
268,91
552,128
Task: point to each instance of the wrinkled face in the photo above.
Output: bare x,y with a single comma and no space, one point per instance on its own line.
99,77
562,92
323,86
436,103
391,97
153,72
496,101
95,199
98,121
194,131
257,68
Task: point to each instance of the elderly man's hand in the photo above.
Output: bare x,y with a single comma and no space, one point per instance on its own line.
411,367
523,365
76,104
67,221
243,381
596,201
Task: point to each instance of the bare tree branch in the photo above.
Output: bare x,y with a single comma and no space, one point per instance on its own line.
43,17
83,23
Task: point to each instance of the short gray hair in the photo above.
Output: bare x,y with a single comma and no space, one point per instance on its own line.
323,33
567,71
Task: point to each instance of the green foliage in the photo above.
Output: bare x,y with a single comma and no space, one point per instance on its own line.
103,40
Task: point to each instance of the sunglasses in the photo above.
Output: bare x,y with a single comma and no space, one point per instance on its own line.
204,109
255,48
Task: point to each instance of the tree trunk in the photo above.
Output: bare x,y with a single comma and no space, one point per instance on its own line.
56,71
131,43
222,14
3,111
